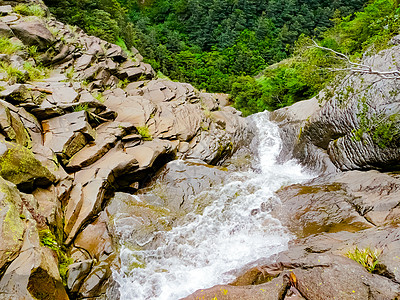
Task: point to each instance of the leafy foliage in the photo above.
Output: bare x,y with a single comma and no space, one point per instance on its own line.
30,10
365,257
209,43
144,132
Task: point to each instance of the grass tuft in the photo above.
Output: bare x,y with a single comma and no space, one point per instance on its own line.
365,257
9,47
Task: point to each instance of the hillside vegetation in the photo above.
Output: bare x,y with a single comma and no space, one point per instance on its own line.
221,45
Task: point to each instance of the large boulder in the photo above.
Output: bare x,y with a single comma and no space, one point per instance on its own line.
33,33
19,165
348,201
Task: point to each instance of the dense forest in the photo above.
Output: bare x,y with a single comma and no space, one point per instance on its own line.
256,50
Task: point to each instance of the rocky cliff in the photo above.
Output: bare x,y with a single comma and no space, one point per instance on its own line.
81,119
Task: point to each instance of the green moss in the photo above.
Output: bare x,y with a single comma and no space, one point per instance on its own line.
19,165
13,223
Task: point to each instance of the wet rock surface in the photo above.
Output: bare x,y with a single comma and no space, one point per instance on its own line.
99,123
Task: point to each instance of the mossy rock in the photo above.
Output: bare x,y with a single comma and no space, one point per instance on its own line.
19,165
12,224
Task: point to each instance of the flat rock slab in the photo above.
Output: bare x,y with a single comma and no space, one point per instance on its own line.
106,137
348,201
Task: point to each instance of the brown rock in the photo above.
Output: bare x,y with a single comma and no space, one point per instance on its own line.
106,137
34,273
67,134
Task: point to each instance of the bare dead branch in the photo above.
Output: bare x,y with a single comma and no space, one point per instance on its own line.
354,67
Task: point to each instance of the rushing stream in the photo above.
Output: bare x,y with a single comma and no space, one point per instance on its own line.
234,230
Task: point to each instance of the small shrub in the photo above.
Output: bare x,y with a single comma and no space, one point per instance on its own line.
123,83
35,73
30,10
144,132
365,257
33,51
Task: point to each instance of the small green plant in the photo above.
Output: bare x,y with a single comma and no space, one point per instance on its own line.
47,239
8,47
144,132
33,51
81,106
99,97
123,83
36,73
30,10
13,74
70,73
365,257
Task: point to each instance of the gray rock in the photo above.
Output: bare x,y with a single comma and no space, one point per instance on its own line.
5,30
15,93
33,33
178,180
5,10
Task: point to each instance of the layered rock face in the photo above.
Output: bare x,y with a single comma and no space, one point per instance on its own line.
353,125
98,123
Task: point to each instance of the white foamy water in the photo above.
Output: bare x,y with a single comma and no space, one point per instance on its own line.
232,231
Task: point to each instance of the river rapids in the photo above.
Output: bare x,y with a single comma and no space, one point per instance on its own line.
235,229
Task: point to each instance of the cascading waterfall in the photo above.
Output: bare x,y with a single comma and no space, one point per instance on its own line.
234,230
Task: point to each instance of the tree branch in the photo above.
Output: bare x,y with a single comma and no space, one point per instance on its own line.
358,68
